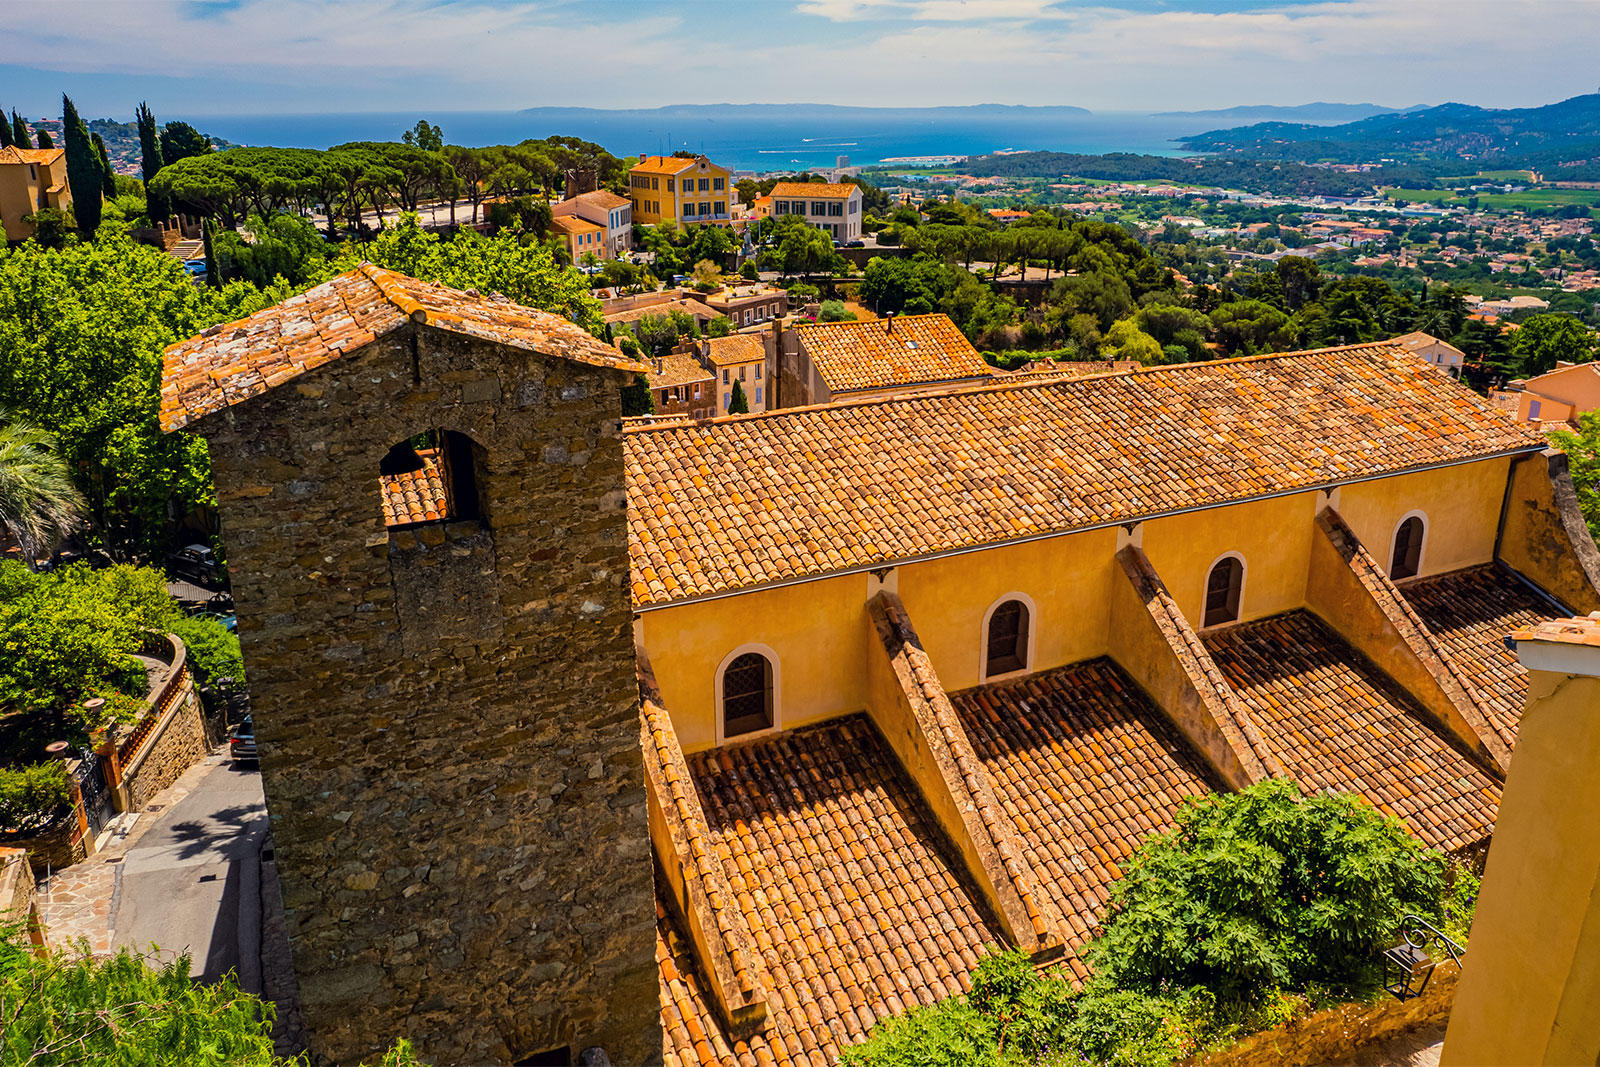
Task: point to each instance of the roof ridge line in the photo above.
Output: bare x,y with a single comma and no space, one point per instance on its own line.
1042,380
409,306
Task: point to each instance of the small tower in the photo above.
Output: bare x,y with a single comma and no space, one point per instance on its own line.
422,499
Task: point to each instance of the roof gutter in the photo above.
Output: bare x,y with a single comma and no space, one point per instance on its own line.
867,568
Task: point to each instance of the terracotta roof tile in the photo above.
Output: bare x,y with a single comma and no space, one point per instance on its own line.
238,360
416,496
821,190
904,350
737,502
1337,723
11,154
736,348
844,884
662,165
602,198
1086,768
1470,612
677,368
691,1035
693,307
574,224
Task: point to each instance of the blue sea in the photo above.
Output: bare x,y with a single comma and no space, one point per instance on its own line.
751,137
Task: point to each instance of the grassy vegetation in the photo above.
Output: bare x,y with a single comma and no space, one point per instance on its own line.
1530,200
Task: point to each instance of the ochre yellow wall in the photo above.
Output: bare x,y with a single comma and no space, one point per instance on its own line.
818,630
1462,505
1067,577
1273,536
1530,983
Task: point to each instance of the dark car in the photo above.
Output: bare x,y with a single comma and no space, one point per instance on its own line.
242,742
856,244
196,563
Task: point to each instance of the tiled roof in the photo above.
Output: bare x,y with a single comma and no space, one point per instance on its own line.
603,198
11,154
693,307
678,368
1470,612
235,361
662,164
737,502
906,350
1337,723
691,1034
1087,769
574,224
416,496
820,190
736,348
844,884
1583,630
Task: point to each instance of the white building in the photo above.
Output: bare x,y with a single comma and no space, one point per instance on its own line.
607,210
835,209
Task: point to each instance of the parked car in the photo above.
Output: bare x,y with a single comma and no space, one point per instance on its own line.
856,244
195,562
229,621
242,742
196,267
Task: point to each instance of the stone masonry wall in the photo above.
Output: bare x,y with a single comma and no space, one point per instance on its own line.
176,747
447,714
60,845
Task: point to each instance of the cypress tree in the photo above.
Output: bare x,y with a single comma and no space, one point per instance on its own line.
738,403
84,174
157,205
108,180
6,140
43,139
19,130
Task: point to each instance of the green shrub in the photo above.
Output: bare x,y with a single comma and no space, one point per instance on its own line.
29,793
213,649
835,311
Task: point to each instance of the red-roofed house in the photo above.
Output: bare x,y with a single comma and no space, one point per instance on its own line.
612,213
31,179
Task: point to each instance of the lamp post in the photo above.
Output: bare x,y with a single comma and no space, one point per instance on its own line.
1407,966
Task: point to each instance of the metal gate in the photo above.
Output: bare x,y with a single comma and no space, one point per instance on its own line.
97,805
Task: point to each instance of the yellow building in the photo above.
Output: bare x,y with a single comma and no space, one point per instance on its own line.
31,179
668,190
1030,619
581,237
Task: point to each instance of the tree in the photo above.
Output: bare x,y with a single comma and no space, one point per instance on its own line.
38,503
7,140
738,403
426,137
84,173
1248,326
637,397
283,246
657,334
471,166
1544,340
1126,341
157,205
706,274
19,130
179,140
1583,458
835,311
43,139
721,326
108,177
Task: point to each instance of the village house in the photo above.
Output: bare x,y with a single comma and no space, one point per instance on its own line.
906,677
581,237
612,213
672,190
819,363
750,305
681,387
1557,397
631,314
835,209
1429,348
741,358
31,179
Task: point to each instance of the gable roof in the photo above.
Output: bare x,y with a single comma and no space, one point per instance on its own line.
732,503
664,164
11,154
677,368
235,361
693,307
574,224
735,348
907,350
1417,339
602,198
824,190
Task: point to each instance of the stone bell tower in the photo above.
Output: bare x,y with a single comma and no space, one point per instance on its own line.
422,500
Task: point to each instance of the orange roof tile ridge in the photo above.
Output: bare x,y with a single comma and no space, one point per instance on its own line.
899,638
389,285
706,884
1468,702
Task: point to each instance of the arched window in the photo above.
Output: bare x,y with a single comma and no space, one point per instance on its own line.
747,692
1405,558
429,477
1224,585
1007,636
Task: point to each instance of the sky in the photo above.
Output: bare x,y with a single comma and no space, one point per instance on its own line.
223,57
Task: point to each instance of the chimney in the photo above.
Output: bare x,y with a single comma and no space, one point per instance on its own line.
889,321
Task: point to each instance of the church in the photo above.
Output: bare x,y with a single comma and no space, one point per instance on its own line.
719,741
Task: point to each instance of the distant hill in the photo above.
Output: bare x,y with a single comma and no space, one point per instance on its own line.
713,112
1454,130
1319,112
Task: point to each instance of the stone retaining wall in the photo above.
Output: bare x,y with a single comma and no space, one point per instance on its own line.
19,894
175,745
59,845
1338,1034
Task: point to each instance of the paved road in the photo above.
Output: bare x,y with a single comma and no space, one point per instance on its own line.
193,881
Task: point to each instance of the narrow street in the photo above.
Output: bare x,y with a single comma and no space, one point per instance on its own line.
192,881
